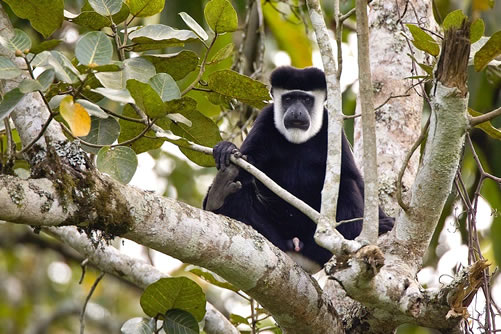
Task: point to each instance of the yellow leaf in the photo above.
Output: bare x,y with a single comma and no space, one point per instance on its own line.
76,116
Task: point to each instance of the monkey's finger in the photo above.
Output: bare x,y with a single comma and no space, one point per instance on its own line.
234,187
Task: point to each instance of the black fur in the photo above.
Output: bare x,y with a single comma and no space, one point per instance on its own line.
300,169
308,79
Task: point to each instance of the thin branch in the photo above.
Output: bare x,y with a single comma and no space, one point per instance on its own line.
389,98
202,68
370,223
127,142
474,121
352,116
82,315
408,156
40,134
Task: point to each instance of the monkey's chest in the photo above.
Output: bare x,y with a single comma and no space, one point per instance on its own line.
302,178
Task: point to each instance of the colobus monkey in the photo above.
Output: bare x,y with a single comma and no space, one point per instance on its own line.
288,142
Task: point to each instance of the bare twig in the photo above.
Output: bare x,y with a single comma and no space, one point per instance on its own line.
474,121
418,142
92,289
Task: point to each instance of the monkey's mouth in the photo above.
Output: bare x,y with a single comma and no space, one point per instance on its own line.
296,124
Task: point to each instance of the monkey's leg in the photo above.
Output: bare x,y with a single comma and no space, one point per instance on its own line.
223,185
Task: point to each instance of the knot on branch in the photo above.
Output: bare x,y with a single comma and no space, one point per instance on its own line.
453,62
464,288
372,257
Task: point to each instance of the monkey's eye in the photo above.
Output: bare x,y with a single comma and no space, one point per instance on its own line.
308,99
287,99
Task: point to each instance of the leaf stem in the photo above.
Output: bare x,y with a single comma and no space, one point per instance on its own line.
202,68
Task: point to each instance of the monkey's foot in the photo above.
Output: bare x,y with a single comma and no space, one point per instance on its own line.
223,185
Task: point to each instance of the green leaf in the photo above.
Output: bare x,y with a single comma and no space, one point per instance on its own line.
487,127
146,98
115,66
89,18
129,130
159,36
237,319
29,85
119,162
178,65
165,86
117,95
173,293
488,52
45,45
197,29
65,71
138,68
423,41
103,131
44,15
92,109
46,78
180,322
181,105
203,131
94,48
138,326
9,102
106,7
222,54
143,8
8,70
221,16
234,85
209,277
133,68
454,20
18,44
477,29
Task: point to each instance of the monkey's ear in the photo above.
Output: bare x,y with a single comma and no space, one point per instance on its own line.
271,92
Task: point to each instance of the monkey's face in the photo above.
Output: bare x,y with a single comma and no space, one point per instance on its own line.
298,114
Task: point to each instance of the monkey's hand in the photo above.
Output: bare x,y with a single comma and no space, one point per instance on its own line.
222,153
223,185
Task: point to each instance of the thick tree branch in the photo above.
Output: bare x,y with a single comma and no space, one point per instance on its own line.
110,260
231,249
448,125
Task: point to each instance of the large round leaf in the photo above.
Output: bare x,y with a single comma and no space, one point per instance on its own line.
44,15
178,65
94,48
165,86
221,16
143,8
19,43
174,293
119,162
180,322
103,131
89,18
8,70
106,7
